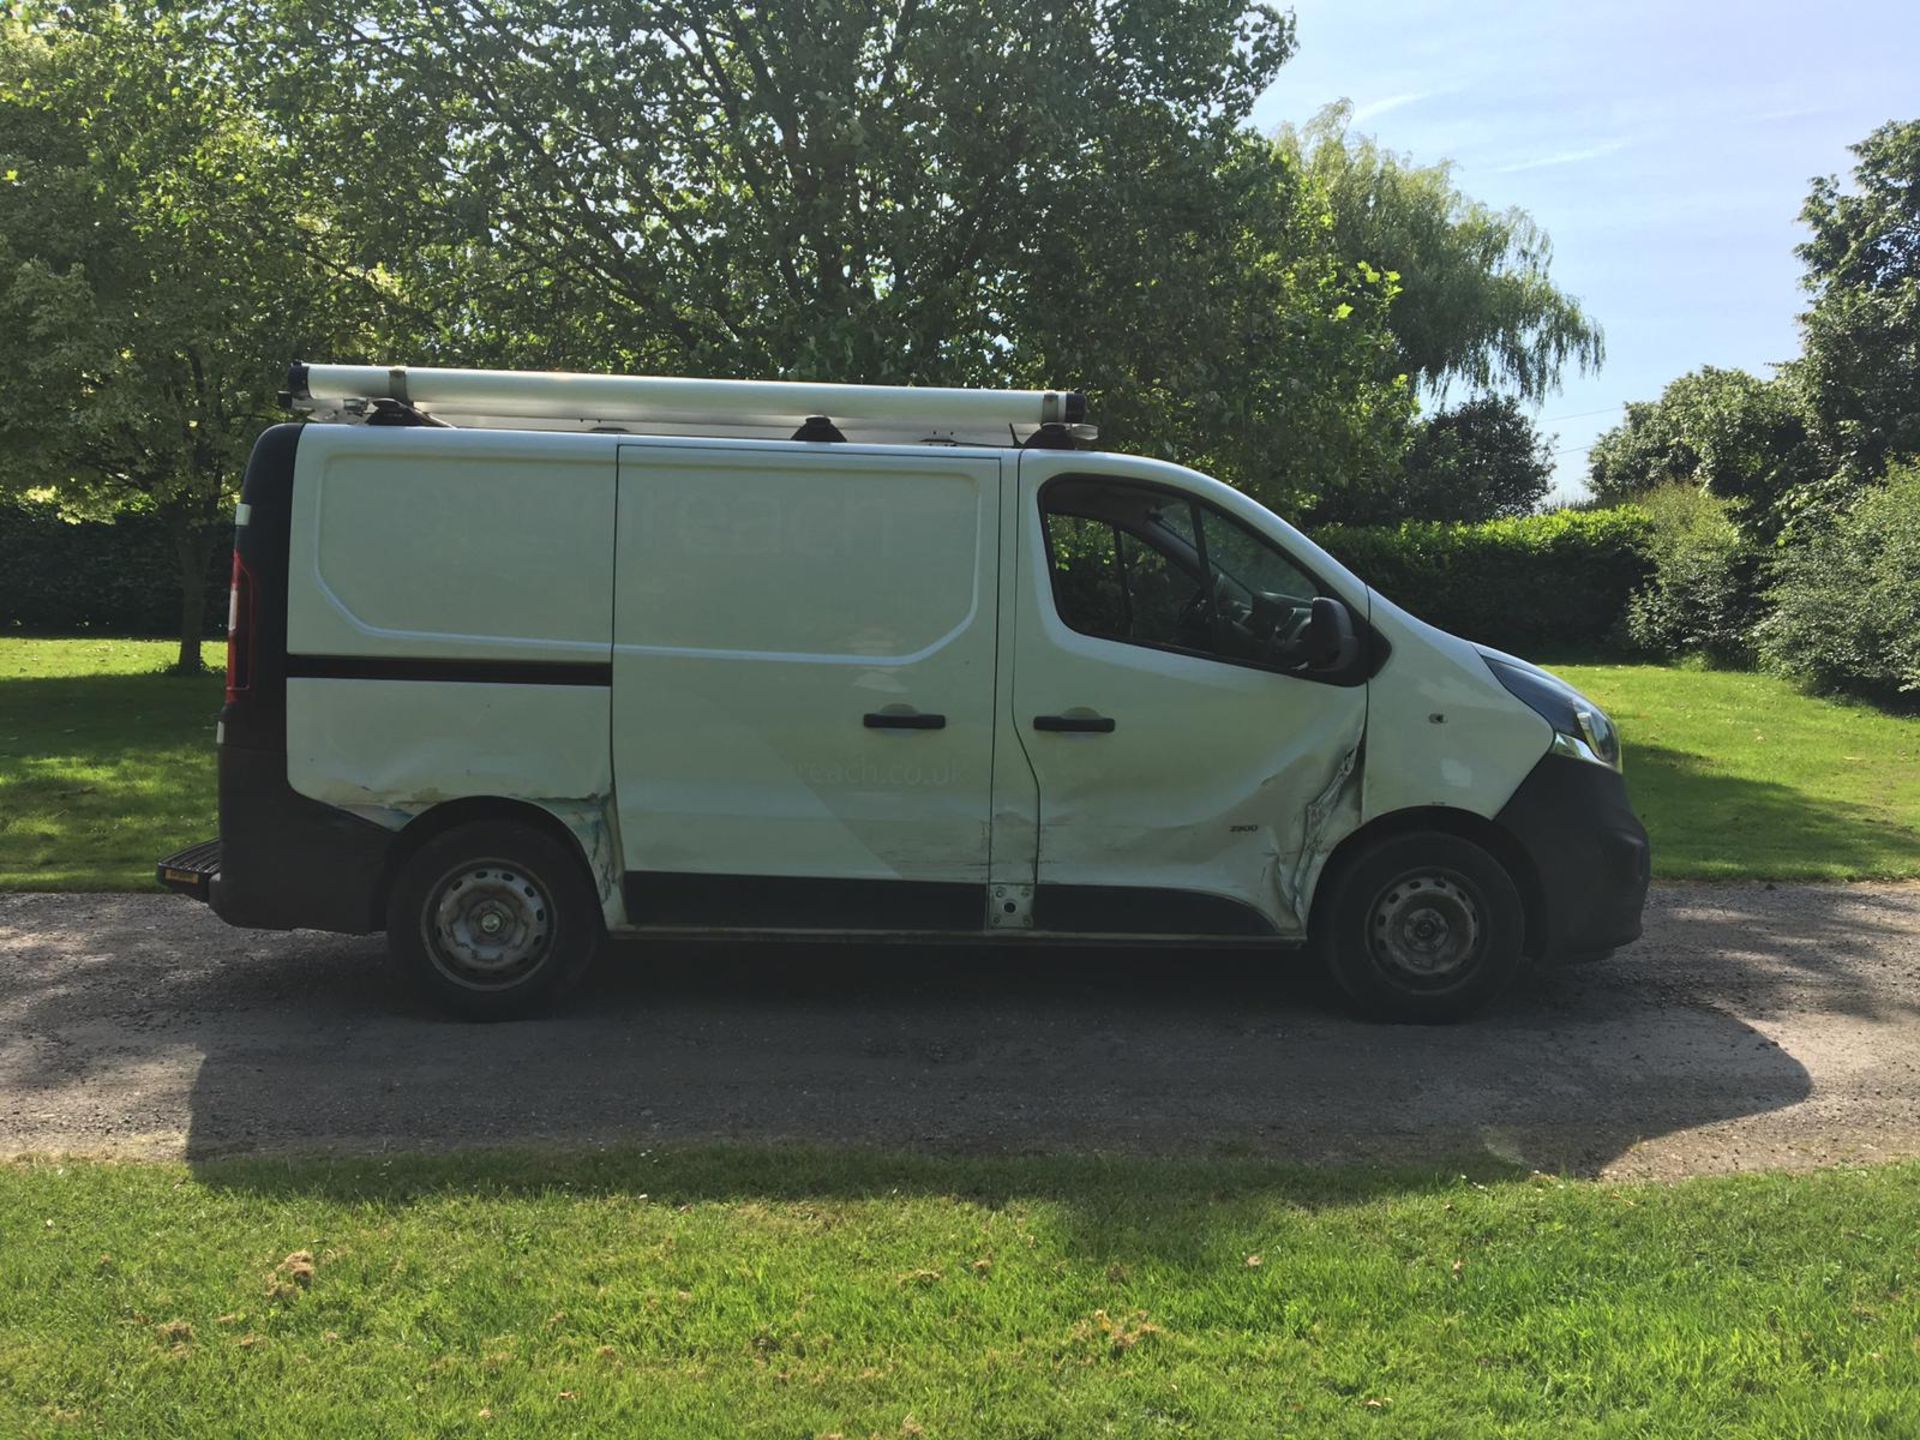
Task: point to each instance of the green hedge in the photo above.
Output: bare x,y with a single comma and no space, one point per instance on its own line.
1543,583
1540,583
58,578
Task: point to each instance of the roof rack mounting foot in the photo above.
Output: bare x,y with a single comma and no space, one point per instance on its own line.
398,412
820,430
1056,436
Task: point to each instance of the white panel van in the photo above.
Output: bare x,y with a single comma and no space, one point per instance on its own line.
595,659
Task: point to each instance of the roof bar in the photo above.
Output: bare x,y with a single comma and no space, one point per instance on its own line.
558,396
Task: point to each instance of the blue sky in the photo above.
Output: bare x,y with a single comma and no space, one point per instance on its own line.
1666,148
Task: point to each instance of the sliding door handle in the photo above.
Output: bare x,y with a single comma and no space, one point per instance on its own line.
1074,724
903,720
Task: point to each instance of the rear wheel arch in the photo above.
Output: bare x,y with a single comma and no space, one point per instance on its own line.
430,824
1468,826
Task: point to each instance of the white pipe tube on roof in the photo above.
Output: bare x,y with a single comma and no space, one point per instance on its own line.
556,395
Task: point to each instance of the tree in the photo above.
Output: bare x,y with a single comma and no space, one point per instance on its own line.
155,275
921,191
1480,460
1860,362
1476,304
1725,432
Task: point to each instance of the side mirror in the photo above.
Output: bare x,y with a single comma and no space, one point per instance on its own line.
1332,640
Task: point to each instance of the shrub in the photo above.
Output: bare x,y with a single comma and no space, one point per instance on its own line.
58,578
1703,597
1541,582
1846,602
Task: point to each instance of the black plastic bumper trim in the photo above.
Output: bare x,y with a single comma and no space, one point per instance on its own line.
450,672
1589,853
290,862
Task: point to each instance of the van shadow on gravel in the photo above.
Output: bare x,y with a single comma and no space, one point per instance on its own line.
136,1016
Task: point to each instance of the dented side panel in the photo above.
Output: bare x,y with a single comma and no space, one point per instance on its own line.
595,825
1216,778
390,751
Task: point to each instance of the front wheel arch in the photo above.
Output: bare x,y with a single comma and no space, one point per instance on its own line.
1468,826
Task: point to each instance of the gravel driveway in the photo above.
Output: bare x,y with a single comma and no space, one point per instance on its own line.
1753,1027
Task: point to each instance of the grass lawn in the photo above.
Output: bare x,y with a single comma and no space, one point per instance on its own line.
1741,776
105,765
804,1294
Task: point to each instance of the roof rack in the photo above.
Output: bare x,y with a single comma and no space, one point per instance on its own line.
777,409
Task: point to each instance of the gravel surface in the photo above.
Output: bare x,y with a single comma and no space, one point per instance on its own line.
1754,1027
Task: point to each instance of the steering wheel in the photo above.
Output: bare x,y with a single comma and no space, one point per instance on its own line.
1192,621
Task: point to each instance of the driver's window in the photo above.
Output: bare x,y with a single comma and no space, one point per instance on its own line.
1127,565
1246,564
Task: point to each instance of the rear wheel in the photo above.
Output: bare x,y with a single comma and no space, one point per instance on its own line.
493,919
1426,927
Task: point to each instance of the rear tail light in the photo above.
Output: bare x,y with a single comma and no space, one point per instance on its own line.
240,631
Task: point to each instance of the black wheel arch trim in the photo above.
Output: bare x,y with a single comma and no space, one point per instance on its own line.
1485,833
430,824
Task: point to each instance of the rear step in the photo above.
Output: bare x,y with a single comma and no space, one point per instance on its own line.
191,871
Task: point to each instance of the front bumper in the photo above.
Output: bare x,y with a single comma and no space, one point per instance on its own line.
1589,854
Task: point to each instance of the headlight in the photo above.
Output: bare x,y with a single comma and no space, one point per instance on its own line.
1580,727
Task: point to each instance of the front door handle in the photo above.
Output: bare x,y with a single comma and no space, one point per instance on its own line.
1075,724
903,720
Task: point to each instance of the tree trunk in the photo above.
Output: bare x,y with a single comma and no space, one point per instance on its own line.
193,549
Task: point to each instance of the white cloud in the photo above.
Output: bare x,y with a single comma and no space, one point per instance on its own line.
1562,157
1374,109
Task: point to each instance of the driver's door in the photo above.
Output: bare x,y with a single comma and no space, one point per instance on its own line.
1183,756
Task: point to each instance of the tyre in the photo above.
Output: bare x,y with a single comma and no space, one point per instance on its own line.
493,920
1424,927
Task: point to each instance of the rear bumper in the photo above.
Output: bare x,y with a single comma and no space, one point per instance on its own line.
191,871
290,862
1590,856
283,861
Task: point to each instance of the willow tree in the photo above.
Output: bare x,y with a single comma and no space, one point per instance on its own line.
1477,304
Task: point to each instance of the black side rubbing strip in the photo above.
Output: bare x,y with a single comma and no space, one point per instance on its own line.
450,672
781,902
1131,910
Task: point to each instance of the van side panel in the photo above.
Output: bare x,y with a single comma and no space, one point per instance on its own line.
804,679
418,544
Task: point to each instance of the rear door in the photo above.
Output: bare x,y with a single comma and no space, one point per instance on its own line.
1188,771
804,684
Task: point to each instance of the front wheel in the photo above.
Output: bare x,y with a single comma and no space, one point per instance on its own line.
1424,927
493,919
